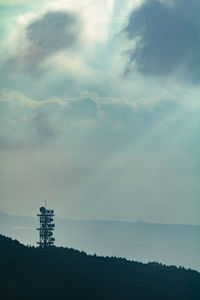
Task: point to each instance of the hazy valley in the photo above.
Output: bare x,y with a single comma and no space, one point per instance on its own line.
141,241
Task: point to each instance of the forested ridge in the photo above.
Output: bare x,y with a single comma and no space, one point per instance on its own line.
62,273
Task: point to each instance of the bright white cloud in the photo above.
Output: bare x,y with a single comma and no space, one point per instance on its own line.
96,16
71,65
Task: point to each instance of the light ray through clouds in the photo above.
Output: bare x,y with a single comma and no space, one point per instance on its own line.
90,119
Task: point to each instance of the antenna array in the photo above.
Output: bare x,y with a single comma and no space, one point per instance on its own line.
46,228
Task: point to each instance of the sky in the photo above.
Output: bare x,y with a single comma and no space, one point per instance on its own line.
99,107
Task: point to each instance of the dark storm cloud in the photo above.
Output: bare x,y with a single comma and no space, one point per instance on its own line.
52,32
170,37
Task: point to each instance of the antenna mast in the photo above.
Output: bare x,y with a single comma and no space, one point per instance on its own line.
46,228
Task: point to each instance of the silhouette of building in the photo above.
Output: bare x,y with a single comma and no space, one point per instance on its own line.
46,228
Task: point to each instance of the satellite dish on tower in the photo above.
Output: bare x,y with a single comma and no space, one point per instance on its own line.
43,210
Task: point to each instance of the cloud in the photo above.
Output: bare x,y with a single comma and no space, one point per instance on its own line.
14,2
110,165
17,99
168,34
64,45
68,64
89,116
38,37
32,120
96,16
43,129
52,32
107,141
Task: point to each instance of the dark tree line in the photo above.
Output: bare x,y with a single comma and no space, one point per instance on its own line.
62,273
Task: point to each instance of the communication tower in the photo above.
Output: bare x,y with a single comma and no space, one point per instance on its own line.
46,228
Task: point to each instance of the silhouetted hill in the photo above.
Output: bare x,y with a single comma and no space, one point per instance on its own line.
62,273
170,244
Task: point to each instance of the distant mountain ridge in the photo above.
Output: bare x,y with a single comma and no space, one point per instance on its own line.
62,273
171,244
